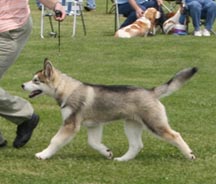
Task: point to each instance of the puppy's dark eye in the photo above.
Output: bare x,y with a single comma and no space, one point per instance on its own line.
36,81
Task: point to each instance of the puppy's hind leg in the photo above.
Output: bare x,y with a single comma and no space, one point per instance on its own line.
133,131
176,139
62,137
159,126
94,140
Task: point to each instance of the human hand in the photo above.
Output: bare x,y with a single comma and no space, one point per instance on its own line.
60,16
159,2
139,13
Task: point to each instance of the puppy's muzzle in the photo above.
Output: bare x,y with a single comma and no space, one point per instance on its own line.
33,93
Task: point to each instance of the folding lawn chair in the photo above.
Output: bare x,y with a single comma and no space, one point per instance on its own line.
170,5
72,7
114,9
48,13
117,16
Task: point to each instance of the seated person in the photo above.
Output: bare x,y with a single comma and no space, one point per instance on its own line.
133,9
38,4
199,9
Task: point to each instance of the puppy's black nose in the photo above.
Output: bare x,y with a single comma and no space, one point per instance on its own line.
22,86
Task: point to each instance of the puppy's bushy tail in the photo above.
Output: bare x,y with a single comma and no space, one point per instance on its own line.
175,82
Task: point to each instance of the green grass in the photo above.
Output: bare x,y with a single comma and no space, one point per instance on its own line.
100,58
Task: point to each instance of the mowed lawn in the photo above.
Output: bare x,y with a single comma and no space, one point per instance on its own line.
100,58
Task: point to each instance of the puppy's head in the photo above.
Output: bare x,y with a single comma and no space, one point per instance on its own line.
152,14
42,82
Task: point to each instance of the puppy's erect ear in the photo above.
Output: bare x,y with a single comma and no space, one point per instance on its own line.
158,15
48,69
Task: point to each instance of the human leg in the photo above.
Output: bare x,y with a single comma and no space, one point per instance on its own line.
129,20
127,11
209,13
13,108
12,42
195,8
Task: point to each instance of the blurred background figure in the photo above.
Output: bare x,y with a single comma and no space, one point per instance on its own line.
38,4
90,5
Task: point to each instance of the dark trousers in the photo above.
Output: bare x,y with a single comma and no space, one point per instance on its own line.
127,11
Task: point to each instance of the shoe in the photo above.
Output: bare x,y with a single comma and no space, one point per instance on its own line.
206,32
89,9
3,144
25,130
40,7
198,33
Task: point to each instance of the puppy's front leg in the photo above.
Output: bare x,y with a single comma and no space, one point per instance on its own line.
63,136
94,140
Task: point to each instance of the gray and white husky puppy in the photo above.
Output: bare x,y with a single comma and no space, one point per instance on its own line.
93,105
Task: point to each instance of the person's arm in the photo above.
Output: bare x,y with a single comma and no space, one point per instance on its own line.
160,2
55,5
136,7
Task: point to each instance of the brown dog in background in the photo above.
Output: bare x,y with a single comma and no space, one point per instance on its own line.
142,26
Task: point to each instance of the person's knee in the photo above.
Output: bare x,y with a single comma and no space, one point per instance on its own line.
212,7
194,6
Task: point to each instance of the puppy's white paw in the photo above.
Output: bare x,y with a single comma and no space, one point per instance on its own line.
109,154
42,155
120,159
192,156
